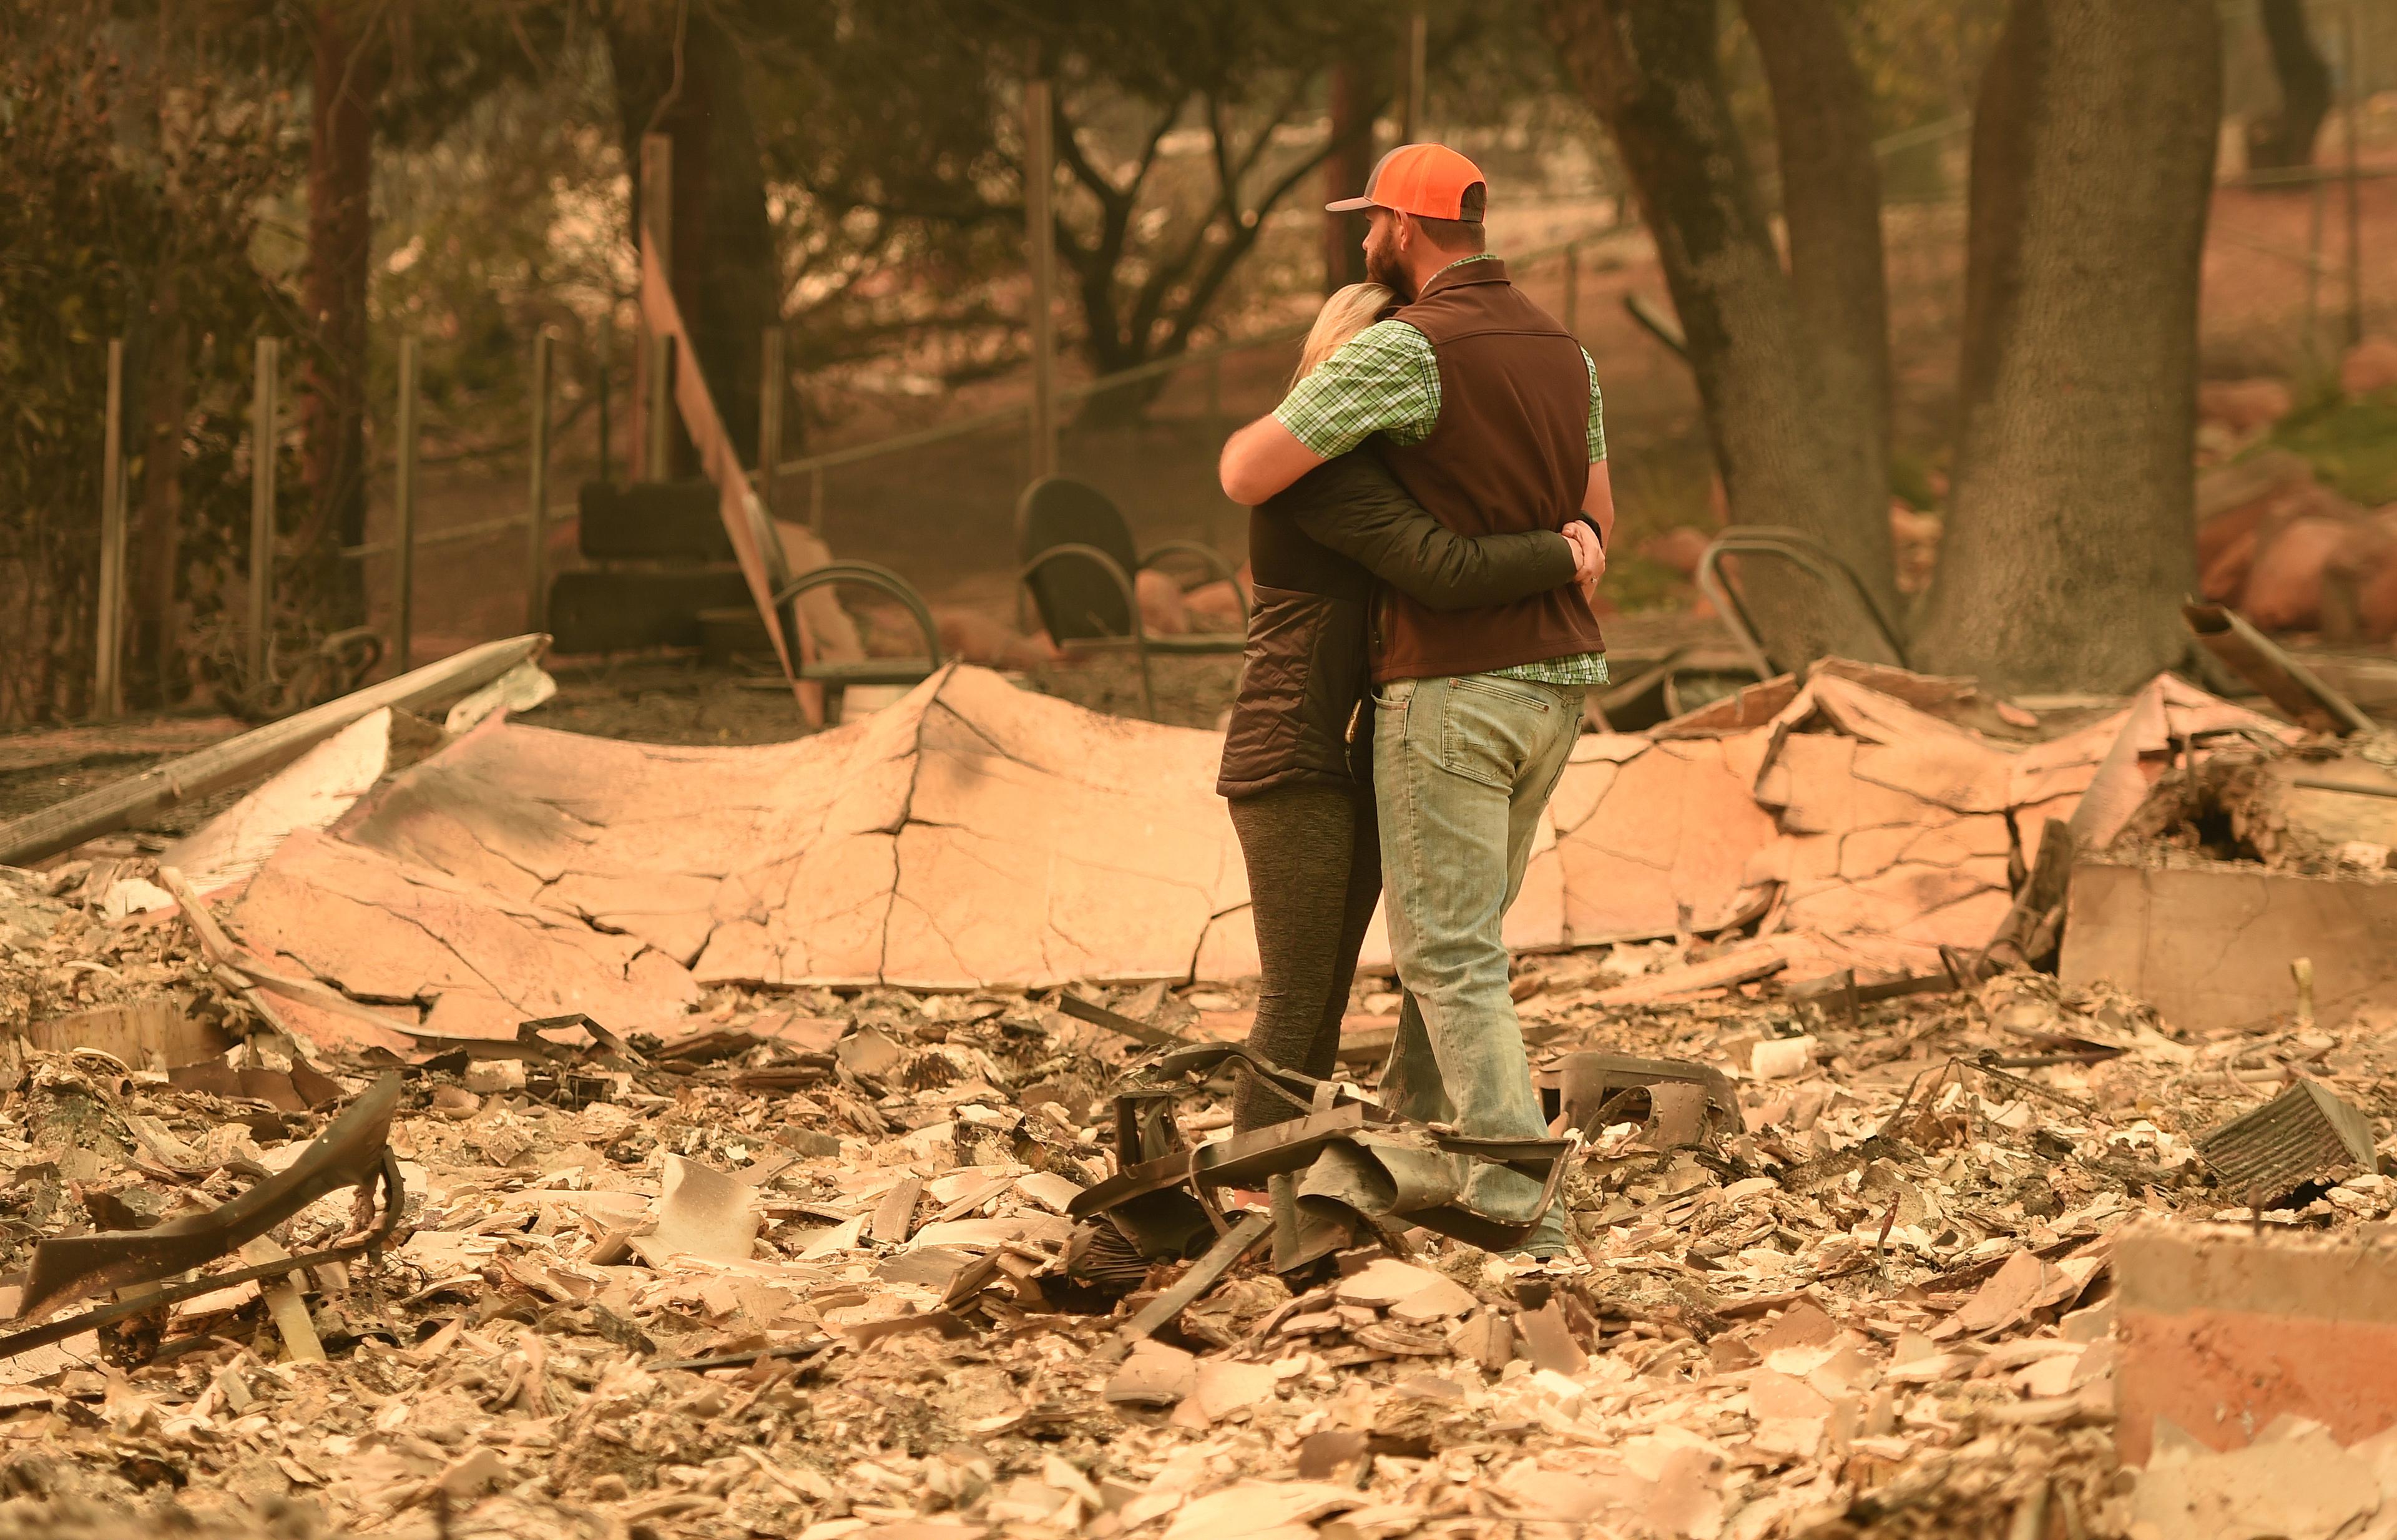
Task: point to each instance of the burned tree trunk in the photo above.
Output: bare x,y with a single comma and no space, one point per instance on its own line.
678,72
156,551
1345,170
349,69
2286,138
2071,540
1791,366
1830,202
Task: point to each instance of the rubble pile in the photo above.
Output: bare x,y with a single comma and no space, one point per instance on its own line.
480,1130
812,1269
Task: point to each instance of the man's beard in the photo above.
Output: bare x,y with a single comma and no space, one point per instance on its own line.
1382,266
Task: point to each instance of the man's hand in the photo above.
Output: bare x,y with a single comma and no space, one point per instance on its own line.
1589,557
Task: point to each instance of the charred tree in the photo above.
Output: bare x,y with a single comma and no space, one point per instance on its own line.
348,69
679,73
154,553
2069,540
1353,103
1791,365
1831,200
2286,138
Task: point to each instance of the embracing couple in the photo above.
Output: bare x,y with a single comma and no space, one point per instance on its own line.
1430,501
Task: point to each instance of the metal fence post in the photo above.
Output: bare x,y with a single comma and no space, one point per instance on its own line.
537,536
2313,276
1215,435
1040,256
1572,288
657,351
607,362
107,687
262,412
404,505
770,415
659,421
2354,63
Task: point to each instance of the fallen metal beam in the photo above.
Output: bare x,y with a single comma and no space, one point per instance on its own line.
254,754
2287,683
349,1153
1235,1243
1116,1020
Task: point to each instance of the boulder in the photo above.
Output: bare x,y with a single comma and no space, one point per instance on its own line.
2369,365
2243,406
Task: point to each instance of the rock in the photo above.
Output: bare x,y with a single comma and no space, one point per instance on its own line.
870,1054
703,1213
1678,548
1155,1375
2243,406
1223,1386
1781,1058
2301,1486
1256,1510
2369,365
1161,609
2024,1284
1050,1190
2283,590
1384,1281
1444,1300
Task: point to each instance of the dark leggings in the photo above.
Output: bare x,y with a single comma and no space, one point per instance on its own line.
1315,873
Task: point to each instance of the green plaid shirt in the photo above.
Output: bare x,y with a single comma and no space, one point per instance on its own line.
1385,380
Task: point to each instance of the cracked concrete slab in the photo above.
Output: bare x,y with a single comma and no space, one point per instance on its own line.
1885,830
976,835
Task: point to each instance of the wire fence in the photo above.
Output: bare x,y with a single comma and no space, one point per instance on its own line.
937,503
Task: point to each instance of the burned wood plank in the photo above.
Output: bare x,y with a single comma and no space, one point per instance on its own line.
1235,1243
1741,967
2287,683
252,755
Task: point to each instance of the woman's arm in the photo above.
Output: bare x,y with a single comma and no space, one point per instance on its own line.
1356,507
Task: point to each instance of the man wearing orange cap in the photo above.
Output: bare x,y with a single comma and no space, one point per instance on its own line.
1487,412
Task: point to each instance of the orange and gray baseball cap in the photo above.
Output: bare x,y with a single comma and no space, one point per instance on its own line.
1429,181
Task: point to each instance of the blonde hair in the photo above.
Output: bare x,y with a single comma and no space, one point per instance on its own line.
1347,313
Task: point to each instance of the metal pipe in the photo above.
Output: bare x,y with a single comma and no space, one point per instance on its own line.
403,508
537,525
107,687
262,413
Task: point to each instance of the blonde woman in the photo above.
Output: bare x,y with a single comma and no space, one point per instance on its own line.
1297,757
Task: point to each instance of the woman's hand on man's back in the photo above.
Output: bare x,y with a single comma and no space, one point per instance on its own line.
1589,557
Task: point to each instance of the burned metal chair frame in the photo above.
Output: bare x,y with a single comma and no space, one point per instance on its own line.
866,671
1336,1112
1810,556
353,1150
1112,565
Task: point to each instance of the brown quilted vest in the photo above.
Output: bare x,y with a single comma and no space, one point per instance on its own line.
1511,452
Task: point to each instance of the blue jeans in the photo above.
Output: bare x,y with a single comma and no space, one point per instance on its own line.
1461,769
